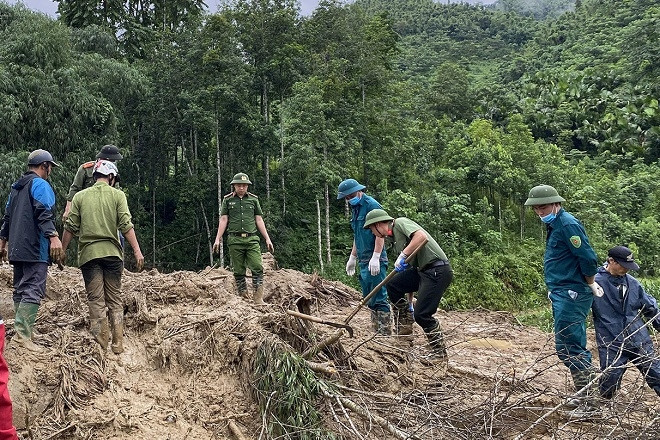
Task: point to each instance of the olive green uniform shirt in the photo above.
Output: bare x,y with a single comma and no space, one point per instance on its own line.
241,212
96,215
402,231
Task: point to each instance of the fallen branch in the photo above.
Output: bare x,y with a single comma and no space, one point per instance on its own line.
238,433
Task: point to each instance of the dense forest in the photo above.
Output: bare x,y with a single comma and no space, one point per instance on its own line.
448,113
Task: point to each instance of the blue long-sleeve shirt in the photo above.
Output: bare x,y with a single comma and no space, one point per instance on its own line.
365,240
569,257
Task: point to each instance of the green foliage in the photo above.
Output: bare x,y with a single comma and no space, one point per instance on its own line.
287,392
540,318
510,280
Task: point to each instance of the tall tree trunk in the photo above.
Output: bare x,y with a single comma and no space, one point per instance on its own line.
266,115
327,223
218,164
281,163
319,234
153,224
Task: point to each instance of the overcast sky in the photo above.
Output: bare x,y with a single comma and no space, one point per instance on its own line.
50,7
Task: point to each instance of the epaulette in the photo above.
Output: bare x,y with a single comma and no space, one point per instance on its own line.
89,164
228,195
253,195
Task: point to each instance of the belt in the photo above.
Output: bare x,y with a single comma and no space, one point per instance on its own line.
435,263
243,234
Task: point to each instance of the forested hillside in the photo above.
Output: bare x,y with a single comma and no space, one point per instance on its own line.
449,113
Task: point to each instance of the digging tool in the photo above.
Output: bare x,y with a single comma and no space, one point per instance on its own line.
348,328
335,337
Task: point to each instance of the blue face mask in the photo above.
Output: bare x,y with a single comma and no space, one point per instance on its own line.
549,218
354,201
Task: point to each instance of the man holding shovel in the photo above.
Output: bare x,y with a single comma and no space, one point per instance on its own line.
429,273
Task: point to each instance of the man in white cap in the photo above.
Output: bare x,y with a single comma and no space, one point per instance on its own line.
96,215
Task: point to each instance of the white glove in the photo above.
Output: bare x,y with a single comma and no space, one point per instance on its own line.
400,263
596,289
374,264
350,266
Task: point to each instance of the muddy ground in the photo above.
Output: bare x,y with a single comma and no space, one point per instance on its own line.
192,348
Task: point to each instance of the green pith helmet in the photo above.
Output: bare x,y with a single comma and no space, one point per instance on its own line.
376,216
542,195
241,178
109,152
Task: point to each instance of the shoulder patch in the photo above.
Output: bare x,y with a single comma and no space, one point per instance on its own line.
89,164
229,195
253,195
576,241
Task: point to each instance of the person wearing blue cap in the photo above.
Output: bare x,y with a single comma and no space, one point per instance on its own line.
621,319
367,253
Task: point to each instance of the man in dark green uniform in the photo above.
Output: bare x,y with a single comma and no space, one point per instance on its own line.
429,274
241,217
84,176
569,265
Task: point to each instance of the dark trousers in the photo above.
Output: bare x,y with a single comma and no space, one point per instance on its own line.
29,282
430,285
643,358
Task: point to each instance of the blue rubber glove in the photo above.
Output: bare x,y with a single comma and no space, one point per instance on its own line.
401,264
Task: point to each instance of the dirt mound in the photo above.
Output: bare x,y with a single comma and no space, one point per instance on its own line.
202,363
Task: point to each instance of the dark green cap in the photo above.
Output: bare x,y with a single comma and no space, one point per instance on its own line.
376,216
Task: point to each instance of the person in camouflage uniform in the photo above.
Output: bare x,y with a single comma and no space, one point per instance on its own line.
241,216
84,176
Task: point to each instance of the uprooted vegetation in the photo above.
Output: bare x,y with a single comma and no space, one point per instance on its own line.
202,363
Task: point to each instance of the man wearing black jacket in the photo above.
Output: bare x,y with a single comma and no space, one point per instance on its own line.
29,239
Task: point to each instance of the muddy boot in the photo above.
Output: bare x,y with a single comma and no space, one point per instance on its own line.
117,330
384,323
374,321
241,286
26,315
585,403
99,328
403,320
437,343
259,296
258,284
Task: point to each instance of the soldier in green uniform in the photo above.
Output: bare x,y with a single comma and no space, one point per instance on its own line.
241,216
84,176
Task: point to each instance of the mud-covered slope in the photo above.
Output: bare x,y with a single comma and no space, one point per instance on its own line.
193,348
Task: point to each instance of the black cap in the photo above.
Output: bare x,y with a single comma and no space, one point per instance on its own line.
109,152
624,257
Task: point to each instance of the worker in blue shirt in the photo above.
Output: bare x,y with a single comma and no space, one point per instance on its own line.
569,266
368,254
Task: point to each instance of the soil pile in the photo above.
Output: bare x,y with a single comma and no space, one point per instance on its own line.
201,363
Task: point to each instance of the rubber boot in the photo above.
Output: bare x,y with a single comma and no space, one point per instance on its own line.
259,296
99,328
585,403
241,286
437,343
403,320
117,330
384,323
374,321
26,315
